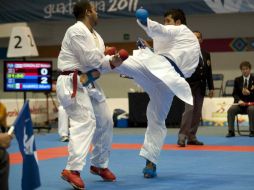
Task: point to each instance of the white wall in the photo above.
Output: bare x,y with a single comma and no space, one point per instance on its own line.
228,63
112,30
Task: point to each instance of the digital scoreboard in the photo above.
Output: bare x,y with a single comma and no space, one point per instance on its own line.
27,76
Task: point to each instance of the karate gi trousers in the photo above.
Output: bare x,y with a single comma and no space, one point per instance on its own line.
155,74
90,123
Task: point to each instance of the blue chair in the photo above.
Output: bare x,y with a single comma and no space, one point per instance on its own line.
218,82
228,89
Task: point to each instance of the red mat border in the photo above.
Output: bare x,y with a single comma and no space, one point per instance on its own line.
58,152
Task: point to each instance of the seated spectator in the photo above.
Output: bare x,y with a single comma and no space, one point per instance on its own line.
3,117
5,140
243,94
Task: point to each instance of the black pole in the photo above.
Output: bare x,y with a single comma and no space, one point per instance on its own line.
24,92
24,95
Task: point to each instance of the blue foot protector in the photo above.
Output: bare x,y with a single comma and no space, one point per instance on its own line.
150,170
142,15
90,77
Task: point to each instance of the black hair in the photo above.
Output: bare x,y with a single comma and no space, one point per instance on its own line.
245,64
177,14
196,31
80,8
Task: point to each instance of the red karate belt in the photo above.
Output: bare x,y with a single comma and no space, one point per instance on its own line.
74,80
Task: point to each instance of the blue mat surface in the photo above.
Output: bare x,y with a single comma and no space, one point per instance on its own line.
177,170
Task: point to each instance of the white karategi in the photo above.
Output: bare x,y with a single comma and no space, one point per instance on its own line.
90,120
63,122
158,77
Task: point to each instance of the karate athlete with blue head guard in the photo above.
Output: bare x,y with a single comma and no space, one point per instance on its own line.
162,75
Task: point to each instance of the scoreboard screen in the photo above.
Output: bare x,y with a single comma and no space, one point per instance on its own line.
27,76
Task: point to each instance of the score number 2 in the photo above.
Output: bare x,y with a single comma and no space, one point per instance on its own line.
44,80
19,39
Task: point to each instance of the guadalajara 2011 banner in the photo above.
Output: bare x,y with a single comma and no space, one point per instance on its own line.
57,10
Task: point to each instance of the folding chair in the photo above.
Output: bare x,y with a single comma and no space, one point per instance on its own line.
241,132
218,82
228,89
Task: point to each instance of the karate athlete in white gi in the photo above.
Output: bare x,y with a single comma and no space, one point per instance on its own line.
90,120
174,44
63,124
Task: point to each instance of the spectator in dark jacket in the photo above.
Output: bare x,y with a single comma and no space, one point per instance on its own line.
5,140
243,94
198,81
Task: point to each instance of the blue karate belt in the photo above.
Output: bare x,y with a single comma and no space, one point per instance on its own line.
175,66
90,77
